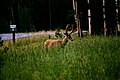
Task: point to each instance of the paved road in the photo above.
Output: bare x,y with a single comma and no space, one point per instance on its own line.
21,35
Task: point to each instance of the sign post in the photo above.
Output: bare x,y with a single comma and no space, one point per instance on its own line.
13,29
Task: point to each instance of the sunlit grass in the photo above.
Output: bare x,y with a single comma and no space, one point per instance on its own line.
88,58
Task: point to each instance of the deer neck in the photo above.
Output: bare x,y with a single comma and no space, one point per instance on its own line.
65,41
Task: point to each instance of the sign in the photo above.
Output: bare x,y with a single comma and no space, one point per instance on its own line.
13,29
13,26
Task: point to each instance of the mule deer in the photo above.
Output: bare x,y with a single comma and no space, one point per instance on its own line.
67,36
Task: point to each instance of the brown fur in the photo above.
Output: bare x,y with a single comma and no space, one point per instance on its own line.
49,43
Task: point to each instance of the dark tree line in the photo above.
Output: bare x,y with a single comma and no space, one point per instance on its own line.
4,16
36,15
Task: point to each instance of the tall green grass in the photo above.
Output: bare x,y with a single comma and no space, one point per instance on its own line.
88,58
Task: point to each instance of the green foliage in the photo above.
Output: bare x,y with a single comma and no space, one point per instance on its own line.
89,58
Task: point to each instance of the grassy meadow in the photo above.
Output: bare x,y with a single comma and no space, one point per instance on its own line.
88,58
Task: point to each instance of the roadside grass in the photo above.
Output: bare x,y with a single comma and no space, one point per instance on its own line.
88,58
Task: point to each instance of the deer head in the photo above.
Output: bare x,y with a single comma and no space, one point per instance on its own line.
67,36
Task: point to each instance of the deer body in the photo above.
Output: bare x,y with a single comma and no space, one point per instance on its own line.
49,43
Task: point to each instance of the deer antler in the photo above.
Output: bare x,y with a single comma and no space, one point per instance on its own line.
66,29
72,29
